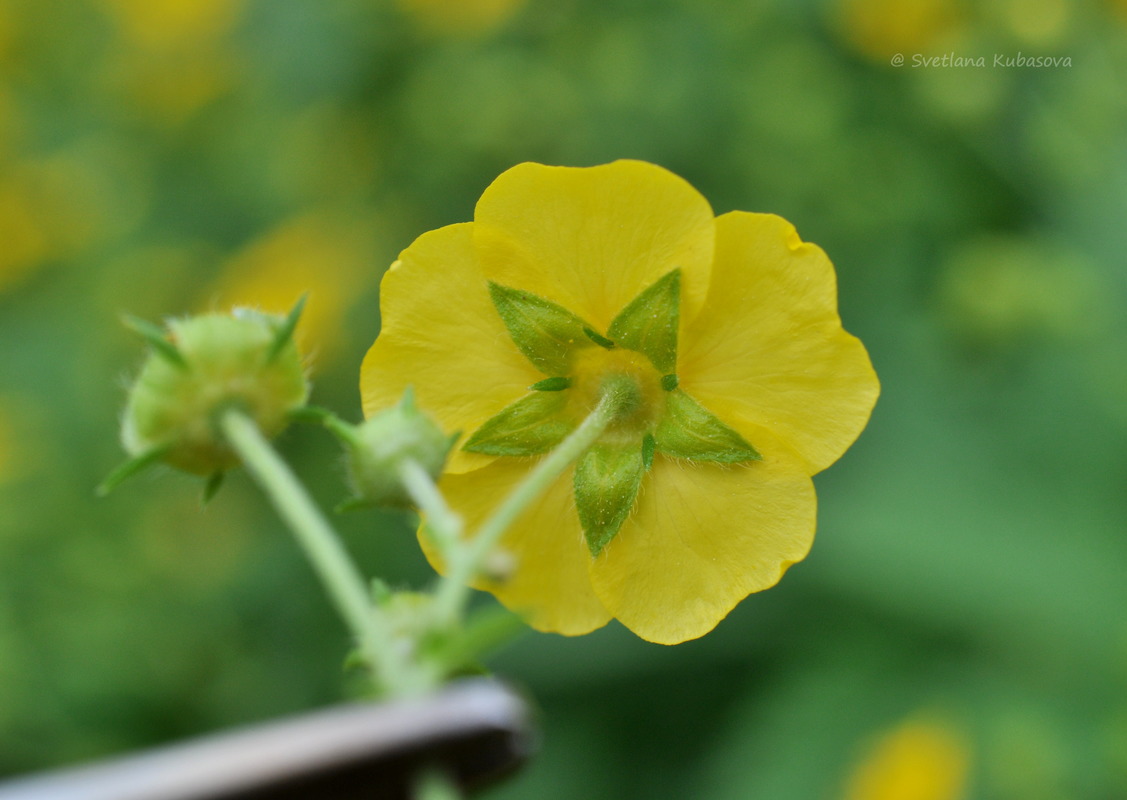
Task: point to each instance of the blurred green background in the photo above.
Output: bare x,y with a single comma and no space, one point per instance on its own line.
959,630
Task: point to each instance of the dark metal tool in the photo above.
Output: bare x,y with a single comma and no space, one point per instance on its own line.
475,731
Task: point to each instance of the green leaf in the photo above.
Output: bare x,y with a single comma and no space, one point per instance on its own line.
607,479
649,323
689,430
545,332
530,426
487,629
350,504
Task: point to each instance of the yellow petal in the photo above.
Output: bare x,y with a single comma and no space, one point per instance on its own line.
550,585
442,336
769,349
702,537
592,238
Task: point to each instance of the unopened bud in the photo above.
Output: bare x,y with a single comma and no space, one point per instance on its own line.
382,444
202,367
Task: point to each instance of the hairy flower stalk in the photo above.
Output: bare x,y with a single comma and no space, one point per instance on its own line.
345,586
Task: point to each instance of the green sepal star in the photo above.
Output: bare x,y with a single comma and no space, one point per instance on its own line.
608,476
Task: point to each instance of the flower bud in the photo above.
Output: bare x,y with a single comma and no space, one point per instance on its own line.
204,366
383,443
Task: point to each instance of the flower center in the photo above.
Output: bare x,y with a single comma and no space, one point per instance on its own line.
597,371
614,398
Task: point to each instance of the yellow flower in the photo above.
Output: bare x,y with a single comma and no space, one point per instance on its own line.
175,56
163,25
921,759
742,386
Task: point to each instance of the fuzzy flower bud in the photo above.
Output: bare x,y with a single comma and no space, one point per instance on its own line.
384,442
203,366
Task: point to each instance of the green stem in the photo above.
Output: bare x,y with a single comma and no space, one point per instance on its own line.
435,785
345,586
444,524
453,591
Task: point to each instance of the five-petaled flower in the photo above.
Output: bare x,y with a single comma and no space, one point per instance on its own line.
721,333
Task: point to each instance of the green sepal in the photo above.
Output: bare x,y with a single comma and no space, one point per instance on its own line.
284,334
350,504
212,486
156,338
346,433
598,338
649,445
132,467
310,415
551,385
380,591
689,430
649,322
486,630
545,332
607,479
530,426
355,660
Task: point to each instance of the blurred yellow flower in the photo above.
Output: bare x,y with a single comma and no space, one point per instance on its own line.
327,256
25,241
162,25
64,205
880,29
169,89
176,59
460,16
1042,23
727,335
922,759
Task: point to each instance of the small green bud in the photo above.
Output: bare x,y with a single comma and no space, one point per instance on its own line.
208,364
380,445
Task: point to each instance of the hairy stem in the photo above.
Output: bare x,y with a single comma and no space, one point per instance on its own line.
444,525
346,587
